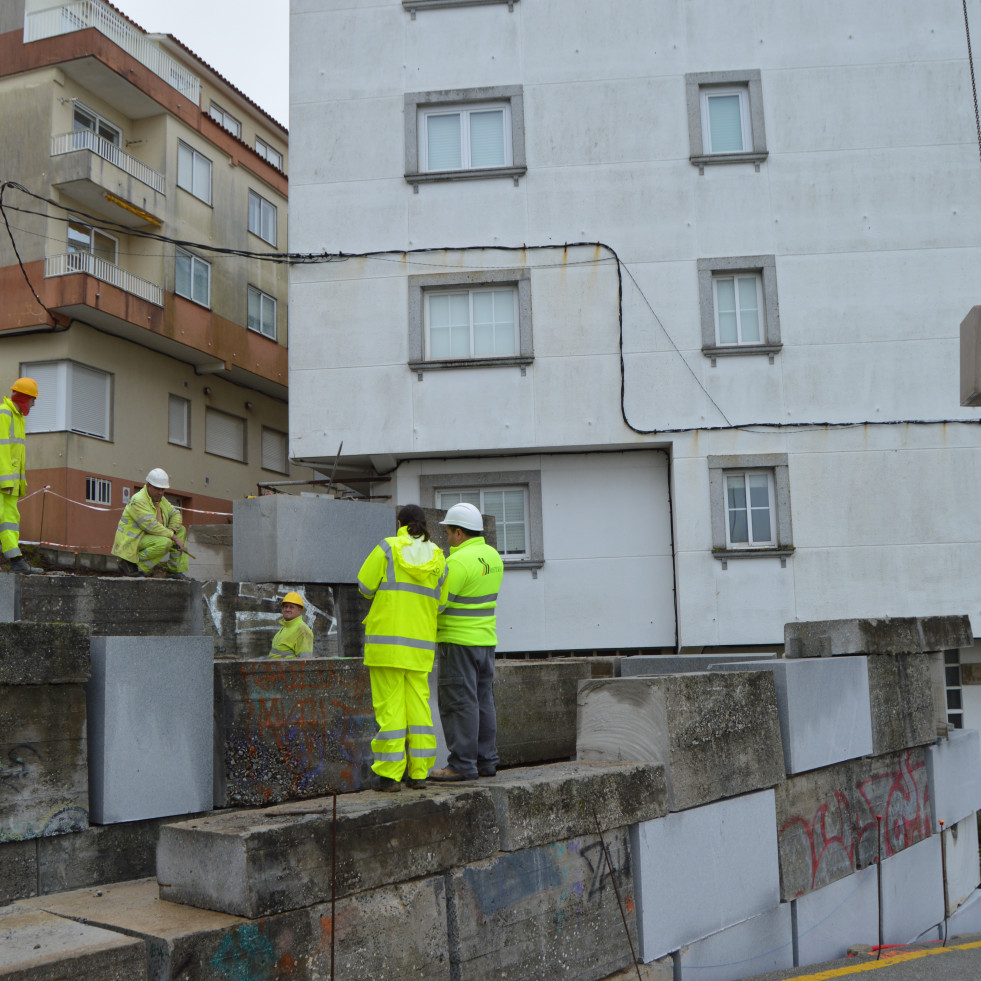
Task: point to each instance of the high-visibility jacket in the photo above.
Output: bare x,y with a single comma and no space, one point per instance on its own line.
293,638
474,572
13,449
139,518
405,579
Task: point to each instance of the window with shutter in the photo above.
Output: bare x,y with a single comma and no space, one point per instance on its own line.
178,421
89,401
224,435
275,451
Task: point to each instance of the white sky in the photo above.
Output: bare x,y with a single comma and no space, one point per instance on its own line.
246,41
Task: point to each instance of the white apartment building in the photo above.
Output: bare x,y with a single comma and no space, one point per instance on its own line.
752,418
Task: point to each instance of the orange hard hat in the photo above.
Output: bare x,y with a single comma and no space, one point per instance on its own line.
26,386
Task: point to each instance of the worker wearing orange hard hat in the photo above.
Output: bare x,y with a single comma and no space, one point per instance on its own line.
13,469
294,638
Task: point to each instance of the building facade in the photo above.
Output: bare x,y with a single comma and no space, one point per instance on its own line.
672,291
133,158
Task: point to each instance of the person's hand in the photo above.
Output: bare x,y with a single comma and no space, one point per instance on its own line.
178,544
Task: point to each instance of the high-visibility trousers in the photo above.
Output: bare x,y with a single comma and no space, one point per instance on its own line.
156,549
9,525
405,723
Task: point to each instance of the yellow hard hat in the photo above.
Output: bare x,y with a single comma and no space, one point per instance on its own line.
293,598
26,386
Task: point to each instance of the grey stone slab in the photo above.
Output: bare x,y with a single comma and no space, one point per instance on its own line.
150,730
640,664
901,698
37,946
702,870
43,653
9,598
758,945
830,920
18,870
912,891
268,861
886,635
966,919
43,761
717,733
541,804
548,913
826,819
116,606
961,860
824,708
284,538
954,770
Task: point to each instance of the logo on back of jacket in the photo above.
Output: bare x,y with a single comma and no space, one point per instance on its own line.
487,568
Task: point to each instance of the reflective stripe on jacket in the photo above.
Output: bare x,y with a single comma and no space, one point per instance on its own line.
405,579
139,518
474,572
294,637
13,449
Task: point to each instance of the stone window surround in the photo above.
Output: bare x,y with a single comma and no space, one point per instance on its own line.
418,285
413,5
765,266
695,82
530,480
512,94
777,464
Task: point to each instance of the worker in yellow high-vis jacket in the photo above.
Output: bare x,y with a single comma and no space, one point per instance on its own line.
404,577
294,638
13,469
151,533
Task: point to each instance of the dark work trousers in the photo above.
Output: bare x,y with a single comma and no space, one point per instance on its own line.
466,707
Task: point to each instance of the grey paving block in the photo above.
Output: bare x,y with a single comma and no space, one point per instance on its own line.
886,635
43,653
700,871
150,727
901,698
285,538
830,920
912,891
954,770
717,733
9,598
639,664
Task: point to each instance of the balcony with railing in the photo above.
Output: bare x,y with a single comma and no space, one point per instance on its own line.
68,263
78,15
85,139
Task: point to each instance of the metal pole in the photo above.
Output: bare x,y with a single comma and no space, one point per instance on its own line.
943,867
878,862
333,884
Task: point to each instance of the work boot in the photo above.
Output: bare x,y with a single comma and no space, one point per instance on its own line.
447,775
387,785
413,784
20,565
128,568
178,575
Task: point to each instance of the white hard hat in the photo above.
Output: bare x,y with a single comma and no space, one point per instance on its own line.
464,516
158,478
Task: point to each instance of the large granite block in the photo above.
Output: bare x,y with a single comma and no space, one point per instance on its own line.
961,847
912,892
43,761
43,653
256,863
901,696
830,920
9,598
115,607
18,870
886,635
150,727
639,664
826,819
758,945
284,538
954,770
700,871
548,913
717,734
37,946
966,919
824,708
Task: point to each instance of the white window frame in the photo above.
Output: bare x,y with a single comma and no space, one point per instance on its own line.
58,379
90,245
190,180
706,94
98,490
470,295
225,119
101,126
459,493
264,300
281,467
268,153
209,445
743,478
735,278
261,209
194,261
699,86
177,401
464,112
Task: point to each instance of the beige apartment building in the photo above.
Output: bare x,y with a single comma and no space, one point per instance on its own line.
151,348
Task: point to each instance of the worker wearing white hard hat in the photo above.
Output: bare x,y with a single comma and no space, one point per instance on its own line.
151,536
13,469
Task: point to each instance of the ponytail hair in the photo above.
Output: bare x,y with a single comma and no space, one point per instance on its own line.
413,517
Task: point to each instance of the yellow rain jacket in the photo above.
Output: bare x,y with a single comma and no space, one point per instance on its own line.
293,638
13,454
405,579
139,518
474,572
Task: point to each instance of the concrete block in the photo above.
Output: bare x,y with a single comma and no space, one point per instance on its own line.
547,913
659,970
961,846
830,920
946,633
43,653
18,870
283,538
912,891
289,729
115,607
699,871
758,945
826,819
824,708
9,598
887,635
256,863
43,761
639,664
150,727
966,919
717,734
37,946
901,697
212,546
537,805
243,617
954,771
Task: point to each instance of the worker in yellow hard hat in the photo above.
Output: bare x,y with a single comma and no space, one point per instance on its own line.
13,469
151,534
294,638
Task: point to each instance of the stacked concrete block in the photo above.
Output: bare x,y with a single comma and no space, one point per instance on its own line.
717,734
830,920
912,892
954,769
9,598
288,539
887,635
966,919
901,697
659,970
639,664
18,870
703,870
824,708
961,863
150,727
43,753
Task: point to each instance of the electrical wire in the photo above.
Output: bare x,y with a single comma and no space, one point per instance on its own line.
974,86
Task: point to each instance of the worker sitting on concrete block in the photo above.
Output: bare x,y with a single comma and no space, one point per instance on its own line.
151,534
294,638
